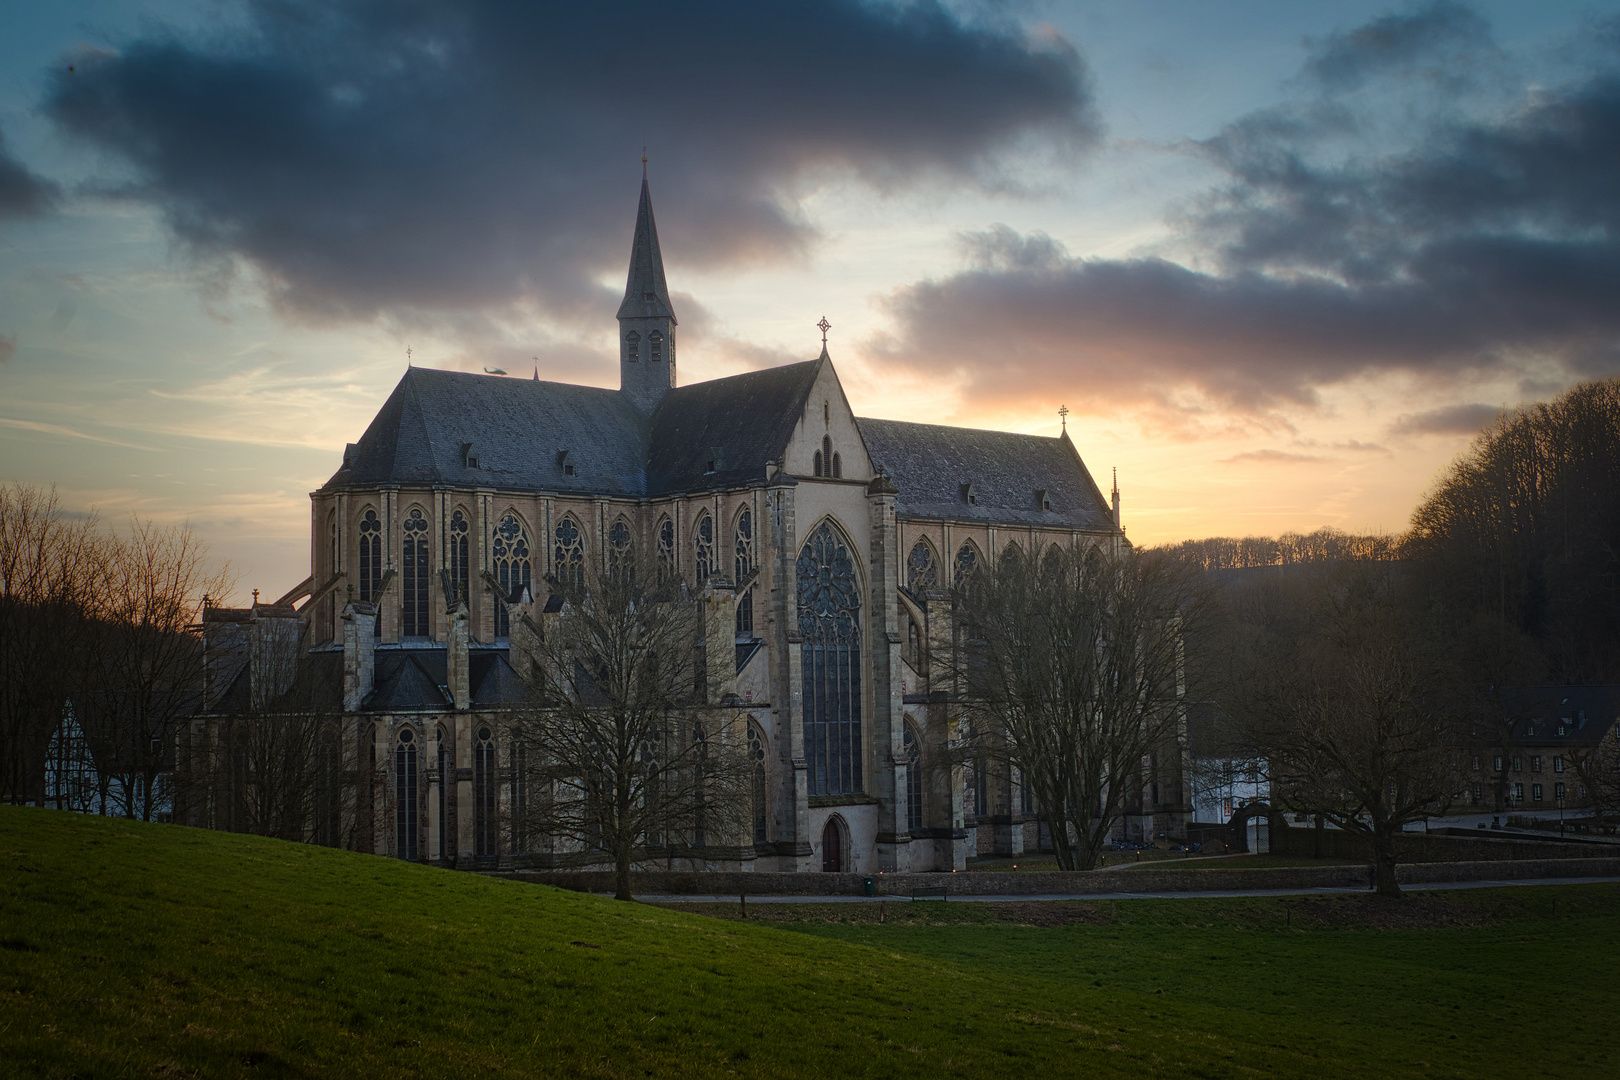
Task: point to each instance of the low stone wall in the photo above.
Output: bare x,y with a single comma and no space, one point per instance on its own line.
1137,879
1337,844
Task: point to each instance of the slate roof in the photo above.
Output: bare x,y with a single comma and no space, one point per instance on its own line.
1586,713
739,423
517,428
929,463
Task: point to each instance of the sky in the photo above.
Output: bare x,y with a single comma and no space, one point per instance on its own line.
1279,261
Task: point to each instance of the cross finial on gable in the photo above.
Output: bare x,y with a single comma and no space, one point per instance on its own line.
824,326
1063,416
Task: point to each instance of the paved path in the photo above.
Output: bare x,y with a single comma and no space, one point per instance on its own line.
1213,893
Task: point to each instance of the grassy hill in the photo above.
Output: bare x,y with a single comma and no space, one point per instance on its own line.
144,950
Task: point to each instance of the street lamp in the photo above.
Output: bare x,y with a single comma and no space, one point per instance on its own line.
1560,815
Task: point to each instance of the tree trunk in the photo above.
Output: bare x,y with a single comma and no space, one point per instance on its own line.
1384,864
621,874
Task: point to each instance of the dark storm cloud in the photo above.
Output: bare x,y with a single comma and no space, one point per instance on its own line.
368,155
1490,244
1454,420
1436,41
22,194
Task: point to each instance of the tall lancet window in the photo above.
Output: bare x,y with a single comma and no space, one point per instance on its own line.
618,551
371,556
703,548
484,822
744,566
914,781
666,552
414,564
512,568
569,554
830,629
460,566
405,819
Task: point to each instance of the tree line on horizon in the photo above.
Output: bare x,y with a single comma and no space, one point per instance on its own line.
1370,681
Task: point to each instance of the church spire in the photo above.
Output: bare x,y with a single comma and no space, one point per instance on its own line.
646,295
646,318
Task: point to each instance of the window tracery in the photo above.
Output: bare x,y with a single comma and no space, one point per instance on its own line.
618,550
512,568
744,565
405,820
703,548
756,759
371,556
460,566
666,551
914,781
484,839
967,561
569,554
922,569
829,627
414,565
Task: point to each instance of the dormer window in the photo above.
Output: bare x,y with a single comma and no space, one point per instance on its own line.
649,296
1042,499
632,346
469,456
655,346
710,470
970,496
565,458
350,452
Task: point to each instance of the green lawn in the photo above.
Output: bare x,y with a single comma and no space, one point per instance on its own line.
143,950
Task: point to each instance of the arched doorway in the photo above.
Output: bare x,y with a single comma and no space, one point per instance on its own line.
1238,826
832,848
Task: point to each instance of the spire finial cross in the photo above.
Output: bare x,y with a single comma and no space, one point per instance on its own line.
824,326
1063,416
407,356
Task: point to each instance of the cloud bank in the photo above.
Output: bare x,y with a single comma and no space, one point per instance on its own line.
1488,243
22,194
368,156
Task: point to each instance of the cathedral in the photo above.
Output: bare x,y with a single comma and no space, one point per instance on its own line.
469,493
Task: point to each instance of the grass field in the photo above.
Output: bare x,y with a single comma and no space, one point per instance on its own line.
144,950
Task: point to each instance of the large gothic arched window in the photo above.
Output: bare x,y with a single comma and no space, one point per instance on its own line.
830,630
922,571
414,564
460,566
371,556
569,554
512,568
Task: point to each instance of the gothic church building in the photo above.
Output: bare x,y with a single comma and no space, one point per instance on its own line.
825,544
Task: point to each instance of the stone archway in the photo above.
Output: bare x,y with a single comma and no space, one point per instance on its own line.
1238,825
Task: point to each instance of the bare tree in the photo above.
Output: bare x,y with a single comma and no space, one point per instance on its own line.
265,757
1071,675
144,673
1349,698
622,756
1598,768
49,593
